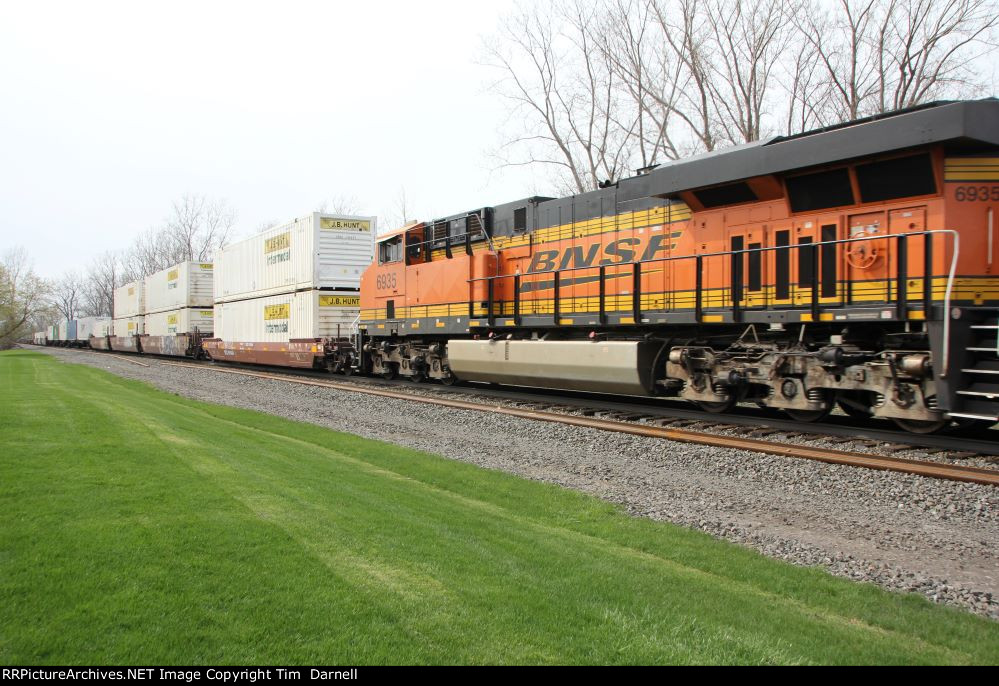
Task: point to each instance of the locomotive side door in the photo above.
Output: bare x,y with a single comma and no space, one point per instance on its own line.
908,220
746,270
815,259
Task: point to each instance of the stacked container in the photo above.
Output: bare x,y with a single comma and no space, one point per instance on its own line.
92,326
277,318
129,326
187,320
280,293
129,309
178,300
66,331
315,252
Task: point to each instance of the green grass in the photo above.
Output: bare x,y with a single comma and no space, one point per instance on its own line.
141,527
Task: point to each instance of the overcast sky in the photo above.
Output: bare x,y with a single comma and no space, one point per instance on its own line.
110,111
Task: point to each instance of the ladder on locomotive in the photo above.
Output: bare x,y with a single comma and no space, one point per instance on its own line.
978,396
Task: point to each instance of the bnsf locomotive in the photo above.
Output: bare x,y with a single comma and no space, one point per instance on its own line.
852,266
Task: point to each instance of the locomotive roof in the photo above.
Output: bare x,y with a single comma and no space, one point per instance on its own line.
964,122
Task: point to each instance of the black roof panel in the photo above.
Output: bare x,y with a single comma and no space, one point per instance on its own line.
975,121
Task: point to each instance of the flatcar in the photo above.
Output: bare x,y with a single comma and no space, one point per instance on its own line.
851,266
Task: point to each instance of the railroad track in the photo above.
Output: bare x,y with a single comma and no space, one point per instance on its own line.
628,424
759,423
873,434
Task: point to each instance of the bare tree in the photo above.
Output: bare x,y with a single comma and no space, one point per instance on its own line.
340,204
199,227
596,88
846,41
648,72
748,37
881,55
808,95
68,295
22,295
104,275
932,47
564,86
400,214
684,28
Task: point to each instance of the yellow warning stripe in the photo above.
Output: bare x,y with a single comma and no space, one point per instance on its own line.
971,169
978,290
626,221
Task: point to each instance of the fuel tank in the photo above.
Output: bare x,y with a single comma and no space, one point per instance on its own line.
624,367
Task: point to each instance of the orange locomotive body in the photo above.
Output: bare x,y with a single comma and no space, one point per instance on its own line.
853,266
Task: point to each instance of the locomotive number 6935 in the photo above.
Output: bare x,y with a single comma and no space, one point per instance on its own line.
385,282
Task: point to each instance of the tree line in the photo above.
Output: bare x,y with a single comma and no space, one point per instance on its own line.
599,88
196,228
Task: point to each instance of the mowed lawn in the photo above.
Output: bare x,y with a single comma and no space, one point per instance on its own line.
141,527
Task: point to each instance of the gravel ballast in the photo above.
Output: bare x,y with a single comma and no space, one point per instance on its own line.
899,531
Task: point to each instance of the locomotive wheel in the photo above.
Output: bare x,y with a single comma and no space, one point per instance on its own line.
418,377
449,380
809,416
921,426
348,370
854,408
391,371
717,407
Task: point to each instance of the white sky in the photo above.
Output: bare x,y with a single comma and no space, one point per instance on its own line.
109,111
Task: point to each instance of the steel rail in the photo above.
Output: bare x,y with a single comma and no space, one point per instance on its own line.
584,400
894,464
129,359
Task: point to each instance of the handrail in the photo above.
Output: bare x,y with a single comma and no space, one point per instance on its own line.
875,237
901,287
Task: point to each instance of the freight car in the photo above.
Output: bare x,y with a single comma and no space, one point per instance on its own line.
851,266
289,295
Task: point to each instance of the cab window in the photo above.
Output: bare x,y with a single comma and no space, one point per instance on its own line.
390,250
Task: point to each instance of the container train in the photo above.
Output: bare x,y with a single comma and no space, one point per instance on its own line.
852,266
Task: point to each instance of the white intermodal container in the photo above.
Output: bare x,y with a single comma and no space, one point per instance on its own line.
67,330
279,318
318,251
180,321
188,284
104,327
129,326
129,301
92,326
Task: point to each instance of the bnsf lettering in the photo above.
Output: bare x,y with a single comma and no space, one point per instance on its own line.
574,256
619,251
385,282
